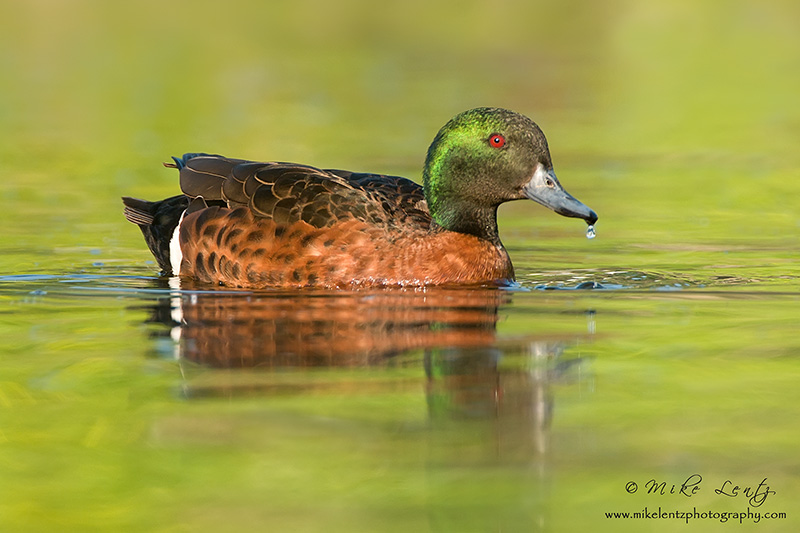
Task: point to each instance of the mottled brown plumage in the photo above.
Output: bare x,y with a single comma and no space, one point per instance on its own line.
269,224
351,252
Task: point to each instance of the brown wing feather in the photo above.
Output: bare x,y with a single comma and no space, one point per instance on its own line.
288,193
204,175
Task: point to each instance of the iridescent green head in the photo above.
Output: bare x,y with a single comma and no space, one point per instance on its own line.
484,157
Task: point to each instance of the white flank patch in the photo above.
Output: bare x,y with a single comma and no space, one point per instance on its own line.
175,254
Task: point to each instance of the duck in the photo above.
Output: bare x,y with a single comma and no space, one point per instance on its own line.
270,224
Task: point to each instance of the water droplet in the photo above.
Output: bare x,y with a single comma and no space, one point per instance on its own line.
590,233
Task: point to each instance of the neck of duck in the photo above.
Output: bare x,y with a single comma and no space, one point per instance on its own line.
465,217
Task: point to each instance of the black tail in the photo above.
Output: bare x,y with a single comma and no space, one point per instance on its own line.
157,220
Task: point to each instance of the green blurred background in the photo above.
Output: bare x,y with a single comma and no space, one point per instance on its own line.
663,106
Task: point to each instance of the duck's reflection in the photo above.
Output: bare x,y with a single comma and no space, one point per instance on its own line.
490,398
469,374
326,330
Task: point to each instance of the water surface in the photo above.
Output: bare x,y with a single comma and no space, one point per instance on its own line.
445,409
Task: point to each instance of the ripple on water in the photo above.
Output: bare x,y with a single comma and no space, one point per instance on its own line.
127,281
624,280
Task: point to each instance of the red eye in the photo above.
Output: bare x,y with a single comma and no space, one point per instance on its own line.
497,140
